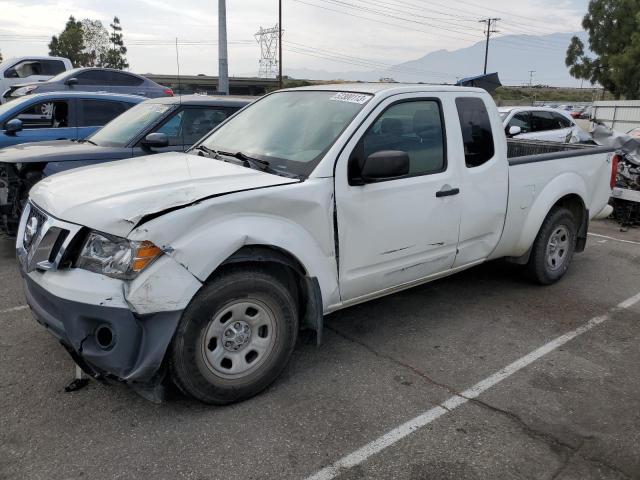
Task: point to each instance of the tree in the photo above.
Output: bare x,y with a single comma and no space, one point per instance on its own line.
0,57
614,39
96,41
115,57
70,44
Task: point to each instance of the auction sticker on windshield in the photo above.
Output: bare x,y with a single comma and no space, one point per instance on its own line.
358,98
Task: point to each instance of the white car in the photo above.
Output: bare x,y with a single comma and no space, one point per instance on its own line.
203,266
30,69
541,123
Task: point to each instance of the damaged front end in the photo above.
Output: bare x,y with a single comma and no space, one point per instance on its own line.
14,193
625,196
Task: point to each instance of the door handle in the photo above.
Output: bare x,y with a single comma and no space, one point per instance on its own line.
447,192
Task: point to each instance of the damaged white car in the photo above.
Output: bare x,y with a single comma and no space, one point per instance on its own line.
203,267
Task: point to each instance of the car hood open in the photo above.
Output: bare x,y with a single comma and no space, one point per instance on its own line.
115,197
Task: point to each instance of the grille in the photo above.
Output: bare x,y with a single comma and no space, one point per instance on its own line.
44,239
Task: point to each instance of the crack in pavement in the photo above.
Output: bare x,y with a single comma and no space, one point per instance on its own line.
569,451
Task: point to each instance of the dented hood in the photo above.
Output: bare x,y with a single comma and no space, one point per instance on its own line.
114,197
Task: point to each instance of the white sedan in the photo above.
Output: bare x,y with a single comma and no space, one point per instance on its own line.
540,123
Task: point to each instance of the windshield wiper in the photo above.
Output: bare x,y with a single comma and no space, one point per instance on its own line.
206,151
251,162
86,140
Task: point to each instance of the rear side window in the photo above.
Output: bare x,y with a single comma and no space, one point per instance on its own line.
476,131
93,77
124,80
563,121
52,67
413,127
543,121
95,113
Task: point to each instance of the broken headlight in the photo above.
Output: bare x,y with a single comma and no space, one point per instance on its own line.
116,257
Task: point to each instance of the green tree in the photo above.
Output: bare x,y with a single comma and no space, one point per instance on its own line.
70,44
115,57
614,39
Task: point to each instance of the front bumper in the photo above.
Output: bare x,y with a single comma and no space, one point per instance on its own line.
108,341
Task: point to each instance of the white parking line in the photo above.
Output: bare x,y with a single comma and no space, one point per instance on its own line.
14,309
614,239
406,429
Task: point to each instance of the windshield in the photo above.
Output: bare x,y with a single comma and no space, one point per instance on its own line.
120,131
291,130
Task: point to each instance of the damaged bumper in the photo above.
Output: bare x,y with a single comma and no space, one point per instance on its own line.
104,340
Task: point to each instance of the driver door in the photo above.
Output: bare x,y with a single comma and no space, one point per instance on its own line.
396,231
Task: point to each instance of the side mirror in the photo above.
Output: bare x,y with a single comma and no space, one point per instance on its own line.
71,81
384,165
13,126
156,140
513,131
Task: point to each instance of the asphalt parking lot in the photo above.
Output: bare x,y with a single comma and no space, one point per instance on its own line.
572,413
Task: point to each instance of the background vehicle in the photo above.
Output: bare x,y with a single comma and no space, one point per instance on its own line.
59,115
92,79
307,201
635,132
156,125
540,123
30,69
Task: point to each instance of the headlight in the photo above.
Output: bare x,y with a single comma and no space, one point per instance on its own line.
116,257
23,91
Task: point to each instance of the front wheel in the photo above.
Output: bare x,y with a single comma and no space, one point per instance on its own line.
235,337
553,248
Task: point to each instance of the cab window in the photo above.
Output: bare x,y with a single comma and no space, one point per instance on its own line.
521,120
477,134
415,128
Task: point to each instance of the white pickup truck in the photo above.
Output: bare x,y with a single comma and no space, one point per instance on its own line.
30,69
203,267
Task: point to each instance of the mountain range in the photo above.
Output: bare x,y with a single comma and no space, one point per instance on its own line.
512,56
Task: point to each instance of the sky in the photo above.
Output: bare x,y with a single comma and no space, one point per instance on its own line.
331,35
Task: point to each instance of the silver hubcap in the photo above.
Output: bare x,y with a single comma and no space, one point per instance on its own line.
558,247
239,338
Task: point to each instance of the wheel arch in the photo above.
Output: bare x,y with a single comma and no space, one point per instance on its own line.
285,266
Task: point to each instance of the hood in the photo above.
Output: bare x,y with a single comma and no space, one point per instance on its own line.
114,197
59,151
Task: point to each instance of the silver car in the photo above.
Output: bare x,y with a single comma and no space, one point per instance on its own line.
92,79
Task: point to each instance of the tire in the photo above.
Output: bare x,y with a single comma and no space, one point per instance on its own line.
553,248
235,337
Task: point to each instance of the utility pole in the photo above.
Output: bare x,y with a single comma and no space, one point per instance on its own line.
223,63
531,72
489,22
279,43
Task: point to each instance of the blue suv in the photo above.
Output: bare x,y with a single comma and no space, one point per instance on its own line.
59,115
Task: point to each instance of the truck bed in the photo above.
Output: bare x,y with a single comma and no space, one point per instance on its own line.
529,151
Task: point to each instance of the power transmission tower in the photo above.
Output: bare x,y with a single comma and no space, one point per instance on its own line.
531,72
268,39
490,22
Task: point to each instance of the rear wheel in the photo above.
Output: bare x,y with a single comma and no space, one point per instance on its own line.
553,248
235,337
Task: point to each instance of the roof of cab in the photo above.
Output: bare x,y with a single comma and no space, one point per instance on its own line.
389,88
204,100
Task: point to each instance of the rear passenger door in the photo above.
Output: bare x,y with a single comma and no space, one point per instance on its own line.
94,114
484,180
401,230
